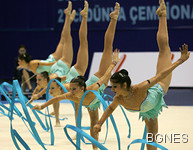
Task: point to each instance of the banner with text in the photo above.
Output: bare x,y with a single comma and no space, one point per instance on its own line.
133,14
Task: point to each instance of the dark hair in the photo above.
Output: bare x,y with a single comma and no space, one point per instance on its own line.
22,46
45,74
80,80
57,78
25,57
121,77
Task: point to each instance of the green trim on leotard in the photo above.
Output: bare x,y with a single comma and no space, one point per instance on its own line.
73,73
96,102
60,68
152,105
45,68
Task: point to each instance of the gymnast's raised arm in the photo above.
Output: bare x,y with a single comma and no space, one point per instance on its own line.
46,63
105,78
160,76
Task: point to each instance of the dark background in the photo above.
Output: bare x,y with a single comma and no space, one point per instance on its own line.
35,23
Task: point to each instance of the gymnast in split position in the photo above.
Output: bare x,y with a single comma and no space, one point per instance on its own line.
147,96
38,66
78,69
61,67
97,82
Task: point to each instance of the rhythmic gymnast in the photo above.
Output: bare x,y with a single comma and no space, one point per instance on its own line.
38,66
97,82
78,69
42,80
146,97
61,67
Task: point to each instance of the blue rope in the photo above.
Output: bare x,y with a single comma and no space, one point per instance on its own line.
81,133
144,141
84,134
127,120
2,111
144,137
31,128
66,91
14,133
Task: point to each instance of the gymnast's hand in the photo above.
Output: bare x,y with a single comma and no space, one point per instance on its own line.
115,56
37,107
35,96
30,101
97,128
184,52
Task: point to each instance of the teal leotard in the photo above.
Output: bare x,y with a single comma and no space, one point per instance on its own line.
60,68
45,68
96,102
152,105
73,73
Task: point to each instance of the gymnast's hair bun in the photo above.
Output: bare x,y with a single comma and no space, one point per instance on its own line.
82,78
124,72
25,57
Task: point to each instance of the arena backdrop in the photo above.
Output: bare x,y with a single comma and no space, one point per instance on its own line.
142,66
38,25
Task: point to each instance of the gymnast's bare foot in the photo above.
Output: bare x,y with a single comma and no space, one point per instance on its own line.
162,11
52,113
72,15
74,138
115,13
84,12
58,124
68,10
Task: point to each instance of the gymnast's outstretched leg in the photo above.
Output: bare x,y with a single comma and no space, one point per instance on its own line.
164,61
106,59
67,52
59,50
94,117
82,57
